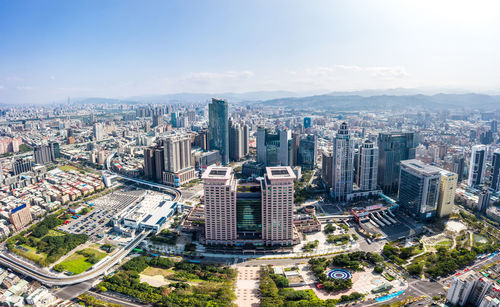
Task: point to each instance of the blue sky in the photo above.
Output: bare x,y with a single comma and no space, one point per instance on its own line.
53,49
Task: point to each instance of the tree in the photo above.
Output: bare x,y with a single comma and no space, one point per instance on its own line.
329,228
280,280
378,269
415,269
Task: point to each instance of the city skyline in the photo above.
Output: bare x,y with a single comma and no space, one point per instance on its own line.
100,49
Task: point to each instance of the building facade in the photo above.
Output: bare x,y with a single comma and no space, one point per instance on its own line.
419,188
447,188
477,167
367,168
20,216
277,206
272,148
178,167
393,148
219,187
495,171
218,128
342,164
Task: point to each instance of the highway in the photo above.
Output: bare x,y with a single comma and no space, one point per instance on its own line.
53,280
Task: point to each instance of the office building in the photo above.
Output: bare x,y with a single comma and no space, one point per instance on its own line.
201,140
494,126
367,167
294,149
173,119
272,148
277,206
483,201
154,164
249,214
342,164
178,168
419,185
447,188
495,171
98,131
307,152
218,128
237,146
477,167
219,187
393,148
20,216
22,166
326,168
307,122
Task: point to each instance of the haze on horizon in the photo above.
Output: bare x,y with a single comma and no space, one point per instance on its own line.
53,49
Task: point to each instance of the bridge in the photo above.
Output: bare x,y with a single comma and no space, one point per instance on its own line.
54,280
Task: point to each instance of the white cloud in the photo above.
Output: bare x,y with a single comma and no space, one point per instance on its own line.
14,78
25,88
1,87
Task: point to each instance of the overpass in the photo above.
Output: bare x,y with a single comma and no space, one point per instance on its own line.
54,280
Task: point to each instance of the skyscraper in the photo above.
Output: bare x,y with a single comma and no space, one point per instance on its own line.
21,166
249,213
277,206
495,171
367,166
46,153
307,152
342,164
419,188
218,128
307,122
447,188
272,148
393,148
477,167
219,188
177,157
237,146
98,130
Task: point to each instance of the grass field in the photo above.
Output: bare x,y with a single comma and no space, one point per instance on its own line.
77,263
67,168
150,271
31,254
445,243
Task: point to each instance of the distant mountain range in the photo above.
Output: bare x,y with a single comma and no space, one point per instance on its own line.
388,102
341,101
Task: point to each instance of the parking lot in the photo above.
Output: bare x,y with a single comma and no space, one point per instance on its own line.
103,210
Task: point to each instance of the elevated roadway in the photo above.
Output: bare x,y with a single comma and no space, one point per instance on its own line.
54,280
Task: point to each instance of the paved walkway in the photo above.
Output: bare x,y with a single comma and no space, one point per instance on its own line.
247,287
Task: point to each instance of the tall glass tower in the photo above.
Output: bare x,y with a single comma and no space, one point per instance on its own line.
218,128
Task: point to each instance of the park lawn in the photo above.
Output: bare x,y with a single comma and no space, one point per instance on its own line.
31,254
445,243
67,168
151,271
77,263
54,233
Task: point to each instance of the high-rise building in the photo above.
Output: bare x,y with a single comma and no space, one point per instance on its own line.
154,164
21,166
277,206
483,202
393,148
249,213
473,289
157,120
272,148
178,167
294,149
46,153
447,188
201,140
307,152
307,122
367,167
477,167
419,188
326,168
98,131
494,126
148,163
495,171
219,188
173,119
218,128
237,147
342,164
20,216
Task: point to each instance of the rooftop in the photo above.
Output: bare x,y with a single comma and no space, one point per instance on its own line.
421,167
280,172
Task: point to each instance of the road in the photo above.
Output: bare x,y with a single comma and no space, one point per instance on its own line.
115,299
53,280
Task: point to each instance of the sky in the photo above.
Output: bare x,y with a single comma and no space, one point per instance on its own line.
50,50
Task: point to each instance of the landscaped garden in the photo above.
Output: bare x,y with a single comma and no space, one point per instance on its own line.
80,261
